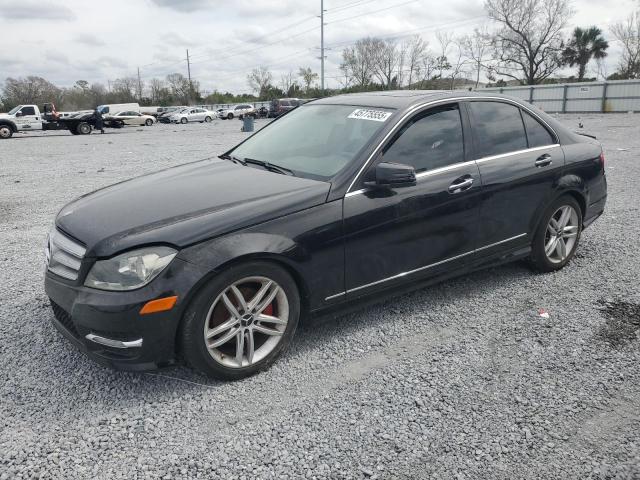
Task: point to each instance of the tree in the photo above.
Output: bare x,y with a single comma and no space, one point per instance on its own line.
31,89
358,62
476,49
126,88
260,80
584,45
180,87
628,34
287,80
416,51
386,59
308,77
528,45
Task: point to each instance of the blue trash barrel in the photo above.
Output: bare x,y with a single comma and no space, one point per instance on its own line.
248,123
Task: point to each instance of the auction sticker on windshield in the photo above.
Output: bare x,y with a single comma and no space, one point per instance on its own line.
365,114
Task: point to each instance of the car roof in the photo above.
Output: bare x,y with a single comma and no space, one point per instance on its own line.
401,99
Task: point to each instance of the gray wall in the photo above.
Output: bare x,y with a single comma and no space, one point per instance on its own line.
609,96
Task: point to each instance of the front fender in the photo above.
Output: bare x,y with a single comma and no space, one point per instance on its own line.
216,253
10,124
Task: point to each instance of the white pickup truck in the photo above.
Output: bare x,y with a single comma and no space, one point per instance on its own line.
25,118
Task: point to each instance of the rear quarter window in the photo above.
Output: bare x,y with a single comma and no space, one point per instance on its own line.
537,134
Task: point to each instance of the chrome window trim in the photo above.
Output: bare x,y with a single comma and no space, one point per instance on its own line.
517,152
436,102
410,272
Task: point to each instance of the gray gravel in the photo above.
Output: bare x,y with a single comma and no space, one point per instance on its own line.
463,380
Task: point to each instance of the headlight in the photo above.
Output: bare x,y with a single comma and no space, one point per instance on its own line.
130,270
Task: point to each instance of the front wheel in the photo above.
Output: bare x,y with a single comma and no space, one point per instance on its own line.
183,120
241,321
148,122
6,131
230,116
207,119
556,240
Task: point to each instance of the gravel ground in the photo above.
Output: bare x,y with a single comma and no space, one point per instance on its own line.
463,380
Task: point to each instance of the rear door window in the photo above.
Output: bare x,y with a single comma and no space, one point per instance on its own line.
431,140
537,134
498,128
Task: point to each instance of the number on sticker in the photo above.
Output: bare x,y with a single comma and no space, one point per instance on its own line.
365,114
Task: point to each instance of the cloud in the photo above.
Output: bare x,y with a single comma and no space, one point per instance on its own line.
184,5
56,57
177,40
89,39
34,10
110,62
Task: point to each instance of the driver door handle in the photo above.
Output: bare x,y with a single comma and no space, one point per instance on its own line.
460,186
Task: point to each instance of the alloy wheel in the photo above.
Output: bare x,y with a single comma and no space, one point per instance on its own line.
246,322
562,233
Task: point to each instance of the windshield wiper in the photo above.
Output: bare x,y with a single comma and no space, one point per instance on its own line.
233,158
269,166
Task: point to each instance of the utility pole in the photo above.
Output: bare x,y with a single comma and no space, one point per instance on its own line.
189,73
139,86
322,46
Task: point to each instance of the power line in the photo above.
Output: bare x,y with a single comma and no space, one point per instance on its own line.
371,12
357,3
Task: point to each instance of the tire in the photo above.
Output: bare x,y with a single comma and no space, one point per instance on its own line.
5,132
208,311
184,120
148,122
550,252
230,116
83,128
207,119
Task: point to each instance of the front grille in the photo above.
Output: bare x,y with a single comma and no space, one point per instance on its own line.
64,256
65,319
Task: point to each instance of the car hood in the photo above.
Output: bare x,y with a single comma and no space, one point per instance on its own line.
6,115
184,205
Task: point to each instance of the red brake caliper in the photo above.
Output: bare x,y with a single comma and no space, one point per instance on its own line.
268,310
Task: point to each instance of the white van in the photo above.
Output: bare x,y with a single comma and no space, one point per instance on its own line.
113,108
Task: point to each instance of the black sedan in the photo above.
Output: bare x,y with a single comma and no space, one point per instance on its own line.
343,200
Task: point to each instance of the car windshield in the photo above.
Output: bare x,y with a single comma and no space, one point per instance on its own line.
314,141
15,109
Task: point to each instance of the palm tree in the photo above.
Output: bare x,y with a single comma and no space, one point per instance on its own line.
584,45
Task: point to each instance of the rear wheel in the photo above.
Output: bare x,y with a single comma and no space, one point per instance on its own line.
241,321
230,116
83,128
556,240
207,119
6,131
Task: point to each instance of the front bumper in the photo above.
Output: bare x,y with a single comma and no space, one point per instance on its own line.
108,327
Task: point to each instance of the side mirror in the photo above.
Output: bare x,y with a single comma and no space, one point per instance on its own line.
393,175
19,114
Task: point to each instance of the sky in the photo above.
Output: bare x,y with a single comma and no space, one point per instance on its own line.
65,41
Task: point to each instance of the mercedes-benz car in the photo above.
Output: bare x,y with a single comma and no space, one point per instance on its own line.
343,200
192,114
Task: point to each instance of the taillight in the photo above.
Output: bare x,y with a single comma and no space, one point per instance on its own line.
602,160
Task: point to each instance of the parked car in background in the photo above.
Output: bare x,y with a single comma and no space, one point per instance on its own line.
263,112
192,114
238,111
130,118
165,117
282,105
118,107
350,198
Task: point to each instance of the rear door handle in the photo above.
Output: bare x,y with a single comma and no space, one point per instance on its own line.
544,160
458,187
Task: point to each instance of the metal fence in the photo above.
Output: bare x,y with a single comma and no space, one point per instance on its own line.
592,97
